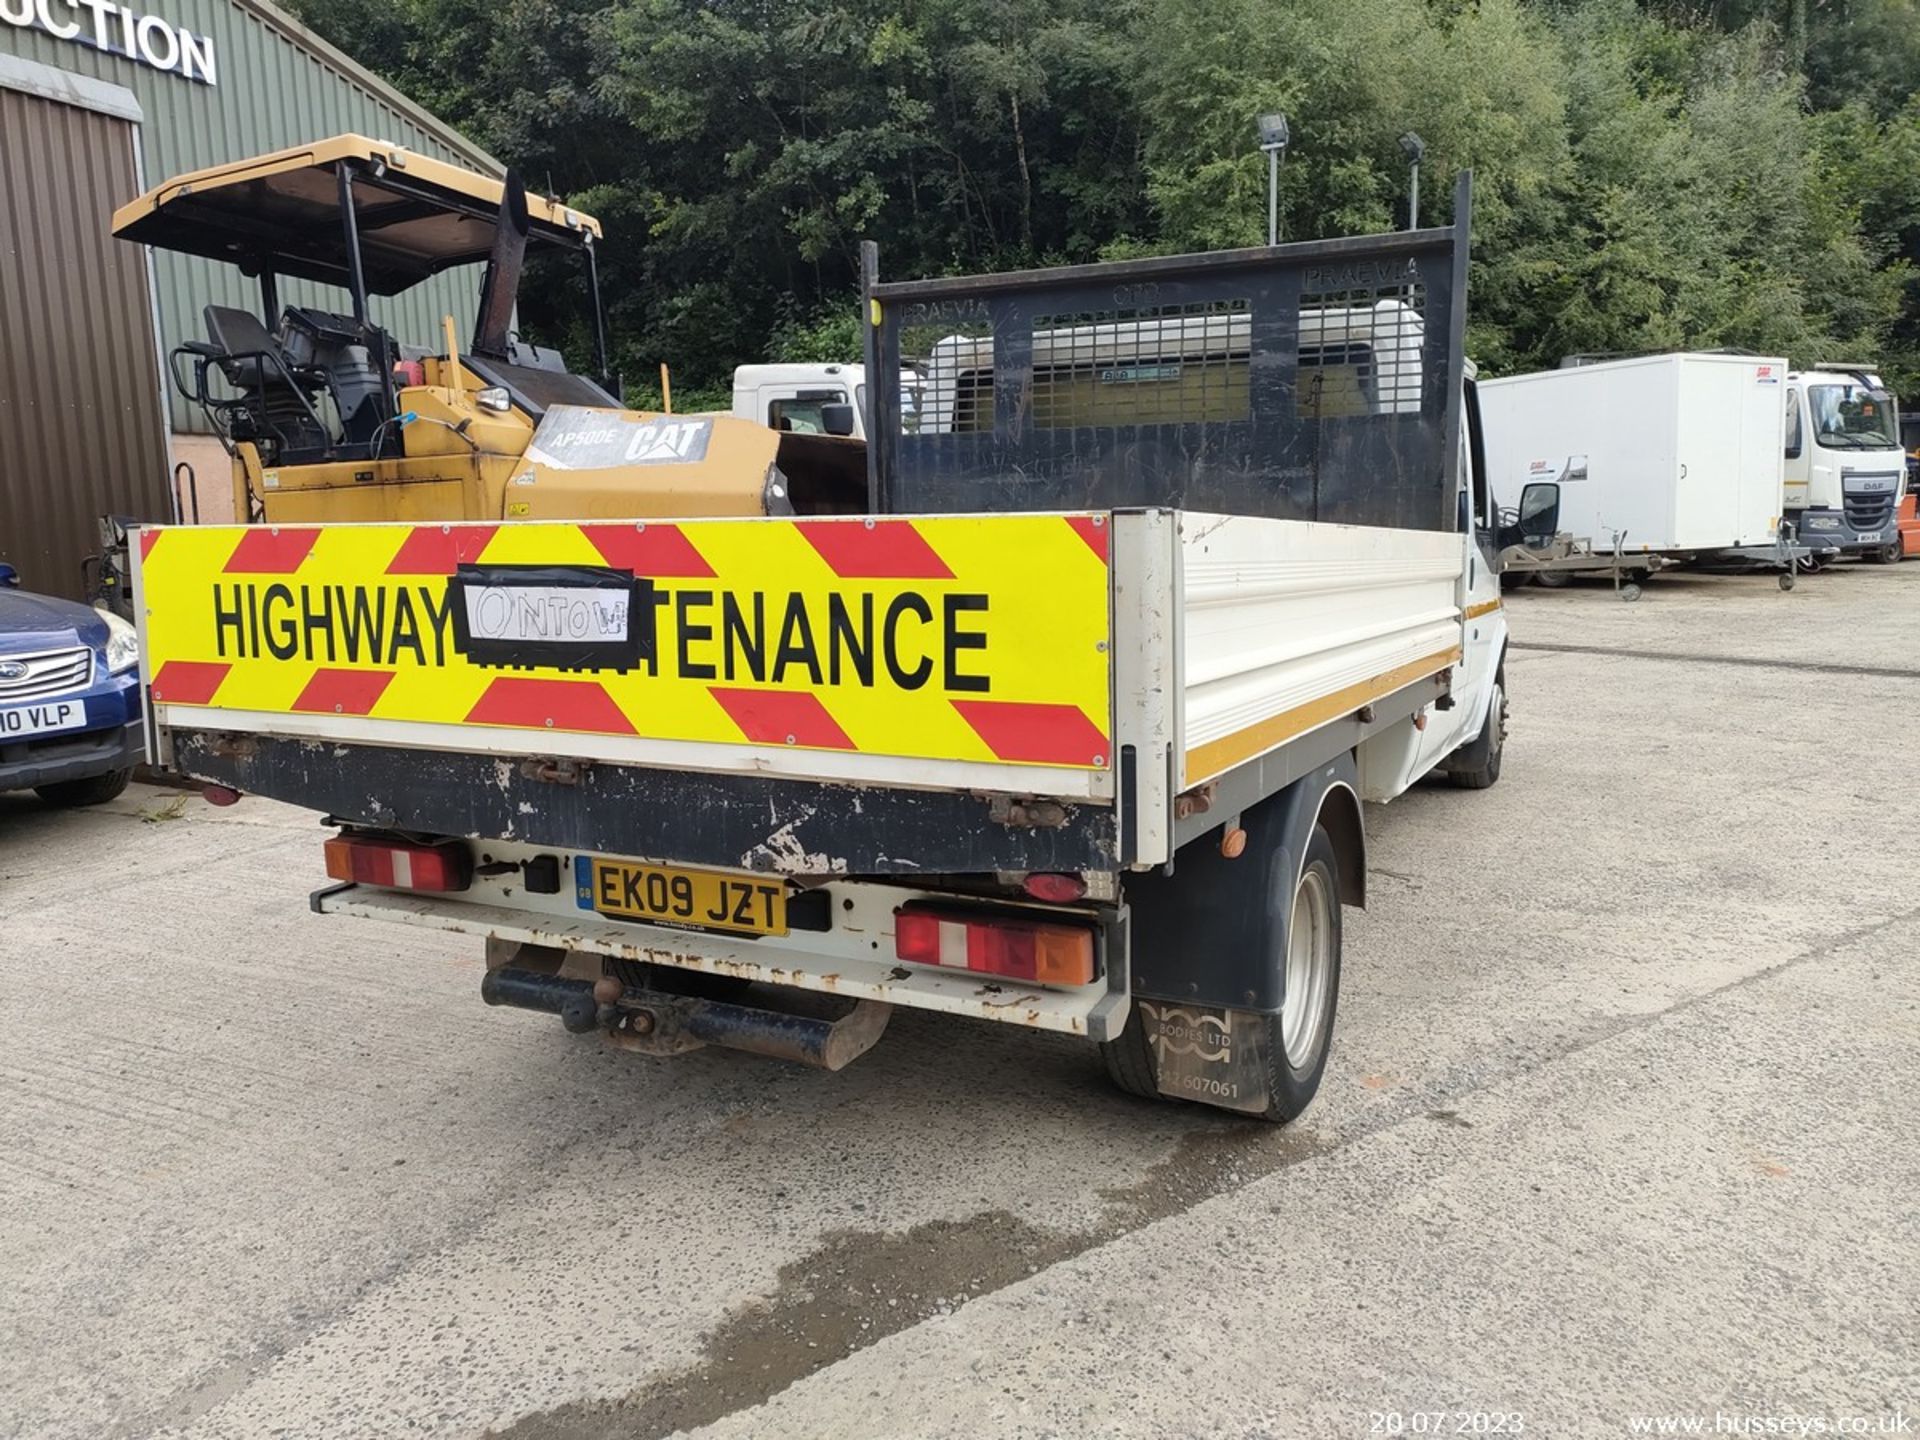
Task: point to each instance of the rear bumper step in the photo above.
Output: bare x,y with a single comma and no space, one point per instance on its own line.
846,963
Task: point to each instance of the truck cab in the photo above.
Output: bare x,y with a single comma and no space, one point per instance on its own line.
1845,470
807,398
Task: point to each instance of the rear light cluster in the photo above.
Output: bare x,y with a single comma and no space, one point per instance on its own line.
1041,951
400,864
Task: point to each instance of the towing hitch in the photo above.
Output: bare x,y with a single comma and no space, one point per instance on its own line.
658,1023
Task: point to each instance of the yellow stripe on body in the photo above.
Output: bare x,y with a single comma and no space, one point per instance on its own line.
1256,739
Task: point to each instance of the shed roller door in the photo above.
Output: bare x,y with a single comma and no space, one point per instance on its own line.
79,376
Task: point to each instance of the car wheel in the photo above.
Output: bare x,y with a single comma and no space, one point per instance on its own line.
93,790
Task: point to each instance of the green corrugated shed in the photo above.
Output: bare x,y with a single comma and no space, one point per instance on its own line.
276,84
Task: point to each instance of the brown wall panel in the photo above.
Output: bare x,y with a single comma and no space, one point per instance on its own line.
81,431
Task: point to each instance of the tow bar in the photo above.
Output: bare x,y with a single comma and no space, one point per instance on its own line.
657,1023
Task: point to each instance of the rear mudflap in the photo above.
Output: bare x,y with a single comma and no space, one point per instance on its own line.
1201,1052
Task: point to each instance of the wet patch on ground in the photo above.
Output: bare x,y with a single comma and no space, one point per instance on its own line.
860,1286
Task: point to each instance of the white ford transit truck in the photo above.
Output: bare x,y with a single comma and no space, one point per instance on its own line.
1068,730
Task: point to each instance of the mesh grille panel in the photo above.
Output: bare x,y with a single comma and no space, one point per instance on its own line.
1316,381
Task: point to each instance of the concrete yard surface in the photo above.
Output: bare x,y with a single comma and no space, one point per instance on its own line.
1616,1132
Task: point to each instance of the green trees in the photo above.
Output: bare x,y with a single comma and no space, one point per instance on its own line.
1729,173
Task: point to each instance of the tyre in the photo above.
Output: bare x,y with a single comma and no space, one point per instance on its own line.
1553,579
1129,1060
1301,1036
1477,766
1296,1041
1885,555
93,790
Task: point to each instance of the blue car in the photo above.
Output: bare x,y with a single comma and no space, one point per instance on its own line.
70,725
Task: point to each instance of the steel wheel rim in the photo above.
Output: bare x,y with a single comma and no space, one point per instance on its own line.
1303,1009
1497,717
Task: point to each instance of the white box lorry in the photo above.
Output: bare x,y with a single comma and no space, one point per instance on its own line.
1845,469
1659,456
1069,731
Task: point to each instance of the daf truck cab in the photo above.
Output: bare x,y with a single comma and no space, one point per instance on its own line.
1845,471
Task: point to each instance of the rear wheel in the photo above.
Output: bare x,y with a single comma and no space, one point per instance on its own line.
93,790
1295,1042
1313,985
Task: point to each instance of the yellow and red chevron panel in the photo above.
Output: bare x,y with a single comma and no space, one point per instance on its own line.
982,638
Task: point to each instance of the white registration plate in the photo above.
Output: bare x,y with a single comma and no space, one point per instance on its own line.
1869,537
48,719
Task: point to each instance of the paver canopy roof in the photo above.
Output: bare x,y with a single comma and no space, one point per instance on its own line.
281,213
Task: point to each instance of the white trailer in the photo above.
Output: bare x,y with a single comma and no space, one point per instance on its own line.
1662,456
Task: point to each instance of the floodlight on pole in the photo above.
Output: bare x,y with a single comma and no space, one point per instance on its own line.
1273,140
1415,149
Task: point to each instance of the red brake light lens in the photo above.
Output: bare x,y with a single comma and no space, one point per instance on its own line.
916,936
1001,950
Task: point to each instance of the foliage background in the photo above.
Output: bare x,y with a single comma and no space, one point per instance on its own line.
1649,174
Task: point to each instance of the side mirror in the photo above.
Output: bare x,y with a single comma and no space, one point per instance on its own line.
1540,511
836,419
1538,518
9,577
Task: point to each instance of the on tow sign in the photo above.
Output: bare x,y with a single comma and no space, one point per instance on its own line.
952,638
